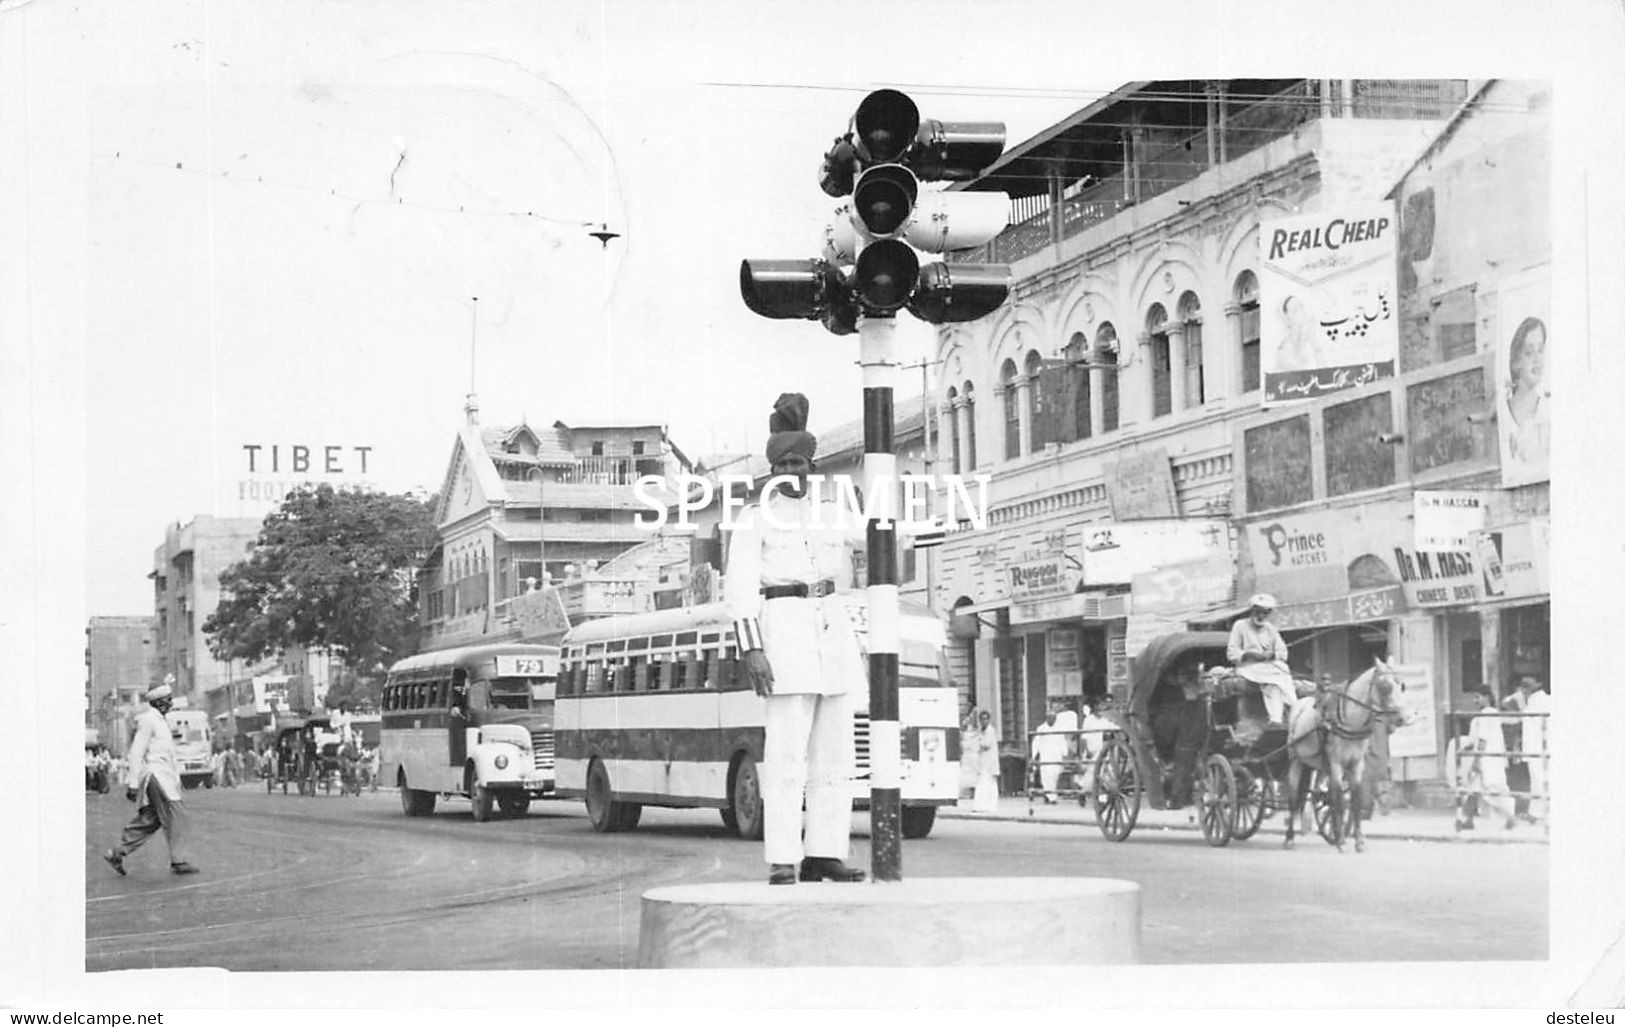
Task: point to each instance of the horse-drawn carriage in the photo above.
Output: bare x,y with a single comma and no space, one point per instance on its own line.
1195,731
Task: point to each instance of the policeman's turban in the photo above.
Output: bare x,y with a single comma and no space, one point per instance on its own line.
787,428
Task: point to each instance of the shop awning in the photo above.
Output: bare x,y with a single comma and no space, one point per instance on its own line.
1362,607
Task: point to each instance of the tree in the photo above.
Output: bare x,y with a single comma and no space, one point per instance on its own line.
333,569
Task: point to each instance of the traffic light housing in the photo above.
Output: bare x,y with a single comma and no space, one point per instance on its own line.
880,163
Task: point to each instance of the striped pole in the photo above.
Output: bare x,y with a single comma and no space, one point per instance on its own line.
877,341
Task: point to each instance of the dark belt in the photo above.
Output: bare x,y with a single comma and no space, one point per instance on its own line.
817,590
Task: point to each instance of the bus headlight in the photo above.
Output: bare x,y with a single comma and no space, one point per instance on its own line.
501,761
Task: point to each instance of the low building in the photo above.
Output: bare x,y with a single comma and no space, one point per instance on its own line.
523,508
121,663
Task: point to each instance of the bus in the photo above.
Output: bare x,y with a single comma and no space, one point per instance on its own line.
193,749
473,723
652,711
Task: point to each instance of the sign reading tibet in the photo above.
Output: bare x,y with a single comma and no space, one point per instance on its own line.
1327,296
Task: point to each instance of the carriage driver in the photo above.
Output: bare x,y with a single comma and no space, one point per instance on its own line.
1258,652
800,653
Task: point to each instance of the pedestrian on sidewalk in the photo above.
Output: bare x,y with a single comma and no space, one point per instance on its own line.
1049,755
1484,755
985,743
1531,698
154,785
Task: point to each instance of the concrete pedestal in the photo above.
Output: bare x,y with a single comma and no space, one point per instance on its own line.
954,921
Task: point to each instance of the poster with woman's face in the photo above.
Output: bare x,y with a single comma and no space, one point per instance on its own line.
1522,379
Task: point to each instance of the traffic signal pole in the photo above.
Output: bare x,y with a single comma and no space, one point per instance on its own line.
877,349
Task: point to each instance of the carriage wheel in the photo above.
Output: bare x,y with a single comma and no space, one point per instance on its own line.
1252,803
1216,806
1117,789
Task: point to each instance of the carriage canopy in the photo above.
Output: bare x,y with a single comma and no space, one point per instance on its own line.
1163,653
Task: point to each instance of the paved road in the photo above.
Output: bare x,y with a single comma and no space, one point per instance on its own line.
329,883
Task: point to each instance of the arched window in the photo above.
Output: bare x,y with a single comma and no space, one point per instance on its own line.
970,426
1246,296
1040,431
1012,411
1079,398
1162,367
1106,350
953,430
1190,314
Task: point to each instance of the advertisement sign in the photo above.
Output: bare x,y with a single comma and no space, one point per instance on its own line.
1512,560
1184,587
1038,579
1114,552
270,693
264,471
1420,736
1523,386
1141,487
1447,520
1143,627
1330,317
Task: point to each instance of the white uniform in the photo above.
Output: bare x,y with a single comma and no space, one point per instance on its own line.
817,669
1536,744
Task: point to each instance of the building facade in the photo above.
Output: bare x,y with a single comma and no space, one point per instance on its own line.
186,590
121,663
1141,484
524,509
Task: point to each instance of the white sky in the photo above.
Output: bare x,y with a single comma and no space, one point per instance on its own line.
152,320
270,290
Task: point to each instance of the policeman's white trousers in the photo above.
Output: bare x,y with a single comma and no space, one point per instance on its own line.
808,751
1049,777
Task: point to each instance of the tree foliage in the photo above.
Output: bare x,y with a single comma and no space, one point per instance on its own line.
333,569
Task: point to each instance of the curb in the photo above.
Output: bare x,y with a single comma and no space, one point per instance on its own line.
1384,834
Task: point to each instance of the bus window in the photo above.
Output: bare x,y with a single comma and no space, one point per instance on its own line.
657,675
509,693
695,667
623,679
727,680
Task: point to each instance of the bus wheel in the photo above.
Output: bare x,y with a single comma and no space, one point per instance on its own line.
514,804
918,820
482,798
413,802
602,810
745,792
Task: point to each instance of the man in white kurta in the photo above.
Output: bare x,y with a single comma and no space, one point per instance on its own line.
154,785
1258,653
798,650
1533,699
1049,752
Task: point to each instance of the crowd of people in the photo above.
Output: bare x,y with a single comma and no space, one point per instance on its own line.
1501,760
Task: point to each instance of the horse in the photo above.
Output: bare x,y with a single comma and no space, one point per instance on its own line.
1331,735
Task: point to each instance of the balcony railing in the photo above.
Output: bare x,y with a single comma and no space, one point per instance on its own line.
1245,130
612,470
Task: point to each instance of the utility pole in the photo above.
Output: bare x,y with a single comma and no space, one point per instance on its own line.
868,272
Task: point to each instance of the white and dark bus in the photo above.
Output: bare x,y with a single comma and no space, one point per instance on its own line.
474,723
652,711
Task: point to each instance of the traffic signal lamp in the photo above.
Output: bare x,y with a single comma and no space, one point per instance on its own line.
809,290
880,162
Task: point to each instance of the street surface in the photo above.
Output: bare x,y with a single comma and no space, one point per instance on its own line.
331,883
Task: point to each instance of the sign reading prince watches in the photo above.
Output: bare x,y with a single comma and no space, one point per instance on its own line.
1327,299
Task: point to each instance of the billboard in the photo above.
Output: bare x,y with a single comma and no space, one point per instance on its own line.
1523,387
1329,305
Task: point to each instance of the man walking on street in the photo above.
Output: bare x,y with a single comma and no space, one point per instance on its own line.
154,785
799,652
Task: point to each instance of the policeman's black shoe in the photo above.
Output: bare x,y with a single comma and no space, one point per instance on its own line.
782,873
115,861
182,868
828,868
